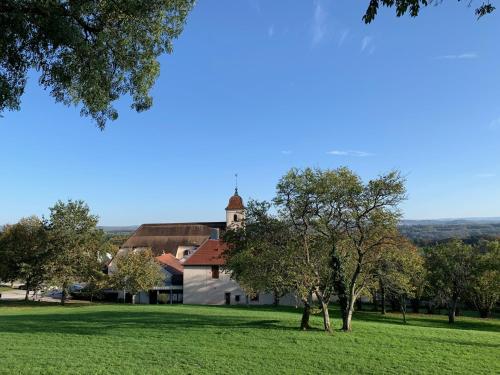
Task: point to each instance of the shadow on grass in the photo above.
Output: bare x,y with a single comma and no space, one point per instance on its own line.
100,322
68,320
430,321
19,303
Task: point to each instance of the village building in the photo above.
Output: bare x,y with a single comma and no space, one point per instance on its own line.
191,255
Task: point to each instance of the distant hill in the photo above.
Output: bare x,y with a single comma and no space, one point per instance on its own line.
429,231
119,230
420,231
459,221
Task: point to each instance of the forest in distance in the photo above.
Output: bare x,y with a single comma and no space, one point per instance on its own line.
421,232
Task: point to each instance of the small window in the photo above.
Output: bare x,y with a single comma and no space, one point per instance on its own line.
186,253
235,217
255,298
215,272
237,298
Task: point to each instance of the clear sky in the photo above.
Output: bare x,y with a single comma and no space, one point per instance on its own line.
257,87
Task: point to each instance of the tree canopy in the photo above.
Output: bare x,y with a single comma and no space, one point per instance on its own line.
413,7
76,244
88,52
136,271
24,253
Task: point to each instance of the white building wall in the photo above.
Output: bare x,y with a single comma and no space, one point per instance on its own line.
201,289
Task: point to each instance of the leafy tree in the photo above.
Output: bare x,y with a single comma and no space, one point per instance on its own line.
94,263
299,199
450,267
24,253
400,272
136,271
413,7
484,289
260,254
357,221
88,52
74,244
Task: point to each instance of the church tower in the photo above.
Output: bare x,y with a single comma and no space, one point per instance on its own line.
235,211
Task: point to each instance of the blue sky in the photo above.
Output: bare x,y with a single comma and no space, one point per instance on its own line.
257,87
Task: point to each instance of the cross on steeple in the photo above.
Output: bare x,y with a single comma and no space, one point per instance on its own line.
236,184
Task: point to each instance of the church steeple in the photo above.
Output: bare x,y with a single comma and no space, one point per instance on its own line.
235,210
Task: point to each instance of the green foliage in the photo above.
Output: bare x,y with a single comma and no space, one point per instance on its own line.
77,246
88,52
136,271
347,222
484,288
428,234
450,267
118,339
413,7
261,255
24,252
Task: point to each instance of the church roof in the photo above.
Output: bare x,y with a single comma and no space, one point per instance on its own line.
208,254
166,238
172,263
235,202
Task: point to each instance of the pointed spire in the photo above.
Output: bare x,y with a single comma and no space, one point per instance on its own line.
236,184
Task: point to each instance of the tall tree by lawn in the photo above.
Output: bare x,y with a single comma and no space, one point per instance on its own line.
74,244
24,253
299,200
88,52
136,271
400,273
450,270
484,289
357,222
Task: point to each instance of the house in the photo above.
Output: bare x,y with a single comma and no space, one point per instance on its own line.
191,256
206,283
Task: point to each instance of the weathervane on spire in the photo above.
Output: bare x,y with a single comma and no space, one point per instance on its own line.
236,184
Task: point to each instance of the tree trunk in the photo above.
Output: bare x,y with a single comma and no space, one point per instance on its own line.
382,299
324,309
375,301
452,311
304,324
276,300
63,296
347,315
326,317
403,308
26,296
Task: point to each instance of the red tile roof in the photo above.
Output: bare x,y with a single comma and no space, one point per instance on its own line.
235,203
172,262
208,254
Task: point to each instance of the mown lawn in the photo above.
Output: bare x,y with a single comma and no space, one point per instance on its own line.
115,339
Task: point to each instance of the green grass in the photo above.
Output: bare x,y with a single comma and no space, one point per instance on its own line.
151,339
4,288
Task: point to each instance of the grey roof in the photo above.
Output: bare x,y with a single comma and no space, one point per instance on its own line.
166,238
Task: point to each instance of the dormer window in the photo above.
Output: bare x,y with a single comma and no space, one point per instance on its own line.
186,253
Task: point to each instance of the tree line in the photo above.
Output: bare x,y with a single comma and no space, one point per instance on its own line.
328,234
68,248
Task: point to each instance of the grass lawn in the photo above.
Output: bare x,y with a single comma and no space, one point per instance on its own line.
160,339
5,288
